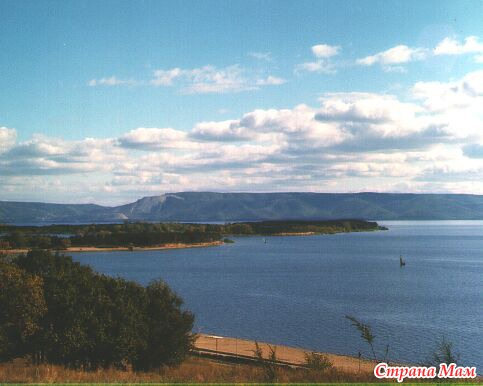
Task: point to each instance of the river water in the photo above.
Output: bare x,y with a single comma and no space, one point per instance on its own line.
297,290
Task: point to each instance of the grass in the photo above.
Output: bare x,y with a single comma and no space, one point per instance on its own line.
193,370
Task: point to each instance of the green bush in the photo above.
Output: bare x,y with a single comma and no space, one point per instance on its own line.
92,320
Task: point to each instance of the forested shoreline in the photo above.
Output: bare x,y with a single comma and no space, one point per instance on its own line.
142,234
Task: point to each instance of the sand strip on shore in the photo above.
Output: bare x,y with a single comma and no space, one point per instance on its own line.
112,249
296,356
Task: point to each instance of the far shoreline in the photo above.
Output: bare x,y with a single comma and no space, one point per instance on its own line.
82,249
124,249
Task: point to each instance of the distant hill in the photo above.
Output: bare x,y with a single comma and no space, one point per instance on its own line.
208,206
35,212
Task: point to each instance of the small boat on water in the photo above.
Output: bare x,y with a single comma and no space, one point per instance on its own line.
402,263
264,240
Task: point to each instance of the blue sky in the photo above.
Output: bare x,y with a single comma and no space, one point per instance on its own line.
143,97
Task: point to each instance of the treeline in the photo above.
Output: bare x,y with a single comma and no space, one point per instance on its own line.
107,235
19,239
151,234
56,311
321,227
126,227
143,239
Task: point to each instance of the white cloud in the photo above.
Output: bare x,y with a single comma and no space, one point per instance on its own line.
397,55
450,46
210,79
373,122
319,66
53,156
459,104
294,128
154,138
392,59
378,110
270,81
203,80
457,95
323,63
266,56
395,69
111,81
325,50
219,131
166,77
7,138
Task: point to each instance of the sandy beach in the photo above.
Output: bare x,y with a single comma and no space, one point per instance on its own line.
290,355
111,249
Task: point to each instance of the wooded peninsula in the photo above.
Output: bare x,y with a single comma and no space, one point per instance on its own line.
148,235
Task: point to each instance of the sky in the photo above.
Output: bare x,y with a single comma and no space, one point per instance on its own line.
110,101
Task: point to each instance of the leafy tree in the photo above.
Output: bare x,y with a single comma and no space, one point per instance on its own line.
169,337
120,320
22,304
67,334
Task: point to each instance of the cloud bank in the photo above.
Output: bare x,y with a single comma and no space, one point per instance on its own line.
351,141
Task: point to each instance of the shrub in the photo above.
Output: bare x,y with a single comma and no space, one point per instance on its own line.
96,321
317,362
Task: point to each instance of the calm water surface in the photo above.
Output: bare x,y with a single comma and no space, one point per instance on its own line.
296,290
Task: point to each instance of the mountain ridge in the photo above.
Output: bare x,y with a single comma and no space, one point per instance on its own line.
214,206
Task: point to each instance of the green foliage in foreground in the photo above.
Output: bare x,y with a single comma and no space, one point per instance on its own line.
61,312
